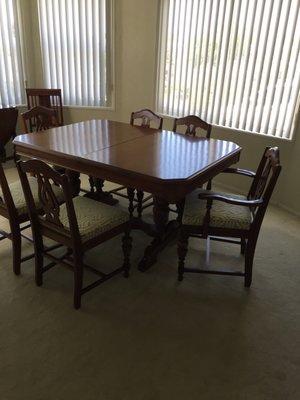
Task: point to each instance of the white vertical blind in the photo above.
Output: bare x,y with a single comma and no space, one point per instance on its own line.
11,69
76,44
234,63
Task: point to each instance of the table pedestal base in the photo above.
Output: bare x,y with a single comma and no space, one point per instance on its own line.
99,194
165,233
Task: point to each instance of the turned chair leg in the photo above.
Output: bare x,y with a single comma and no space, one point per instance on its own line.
130,194
92,184
38,260
127,247
17,246
140,196
249,255
243,245
182,249
78,279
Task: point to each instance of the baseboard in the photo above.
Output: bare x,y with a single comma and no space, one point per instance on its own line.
234,189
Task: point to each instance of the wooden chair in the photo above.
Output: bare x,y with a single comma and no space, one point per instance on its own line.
146,119
39,118
191,124
79,224
226,217
8,123
50,98
13,207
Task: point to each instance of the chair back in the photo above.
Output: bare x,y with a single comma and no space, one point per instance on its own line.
192,123
48,214
39,118
147,116
264,182
8,123
50,98
7,205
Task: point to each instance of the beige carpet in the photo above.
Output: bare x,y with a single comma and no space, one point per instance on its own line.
151,338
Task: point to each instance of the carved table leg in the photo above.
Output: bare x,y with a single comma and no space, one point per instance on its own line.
165,232
100,195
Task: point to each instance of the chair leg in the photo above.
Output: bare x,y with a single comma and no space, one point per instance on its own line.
38,260
243,245
127,247
182,249
78,279
17,246
249,255
180,209
140,196
92,184
130,194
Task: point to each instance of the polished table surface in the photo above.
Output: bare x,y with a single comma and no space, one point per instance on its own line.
164,163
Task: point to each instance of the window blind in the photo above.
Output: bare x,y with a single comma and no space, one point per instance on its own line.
76,47
11,69
234,63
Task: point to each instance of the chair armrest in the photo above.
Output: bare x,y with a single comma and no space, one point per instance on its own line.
240,171
230,200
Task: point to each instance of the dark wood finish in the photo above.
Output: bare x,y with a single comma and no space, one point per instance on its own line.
50,98
173,165
191,124
49,225
44,118
143,118
18,223
264,181
41,118
8,123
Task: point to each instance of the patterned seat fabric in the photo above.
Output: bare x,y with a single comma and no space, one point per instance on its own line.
93,218
222,215
18,194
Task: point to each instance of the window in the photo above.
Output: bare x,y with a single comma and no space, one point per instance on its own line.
235,63
11,70
76,49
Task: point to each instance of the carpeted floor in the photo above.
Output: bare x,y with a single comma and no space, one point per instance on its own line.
152,338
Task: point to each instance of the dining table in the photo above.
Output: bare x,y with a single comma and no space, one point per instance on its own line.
166,164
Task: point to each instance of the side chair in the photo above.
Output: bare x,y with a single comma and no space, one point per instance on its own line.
40,118
79,224
193,124
50,98
230,218
13,207
8,123
146,119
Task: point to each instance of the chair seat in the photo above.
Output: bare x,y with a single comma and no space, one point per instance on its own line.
18,194
93,218
222,215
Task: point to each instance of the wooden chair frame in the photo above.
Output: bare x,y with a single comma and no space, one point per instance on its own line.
18,223
192,123
43,117
137,196
264,181
8,123
50,226
50,98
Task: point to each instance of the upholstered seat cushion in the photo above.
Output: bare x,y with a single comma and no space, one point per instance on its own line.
93,217
222,215
18,194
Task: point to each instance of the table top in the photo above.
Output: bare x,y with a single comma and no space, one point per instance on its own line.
144,158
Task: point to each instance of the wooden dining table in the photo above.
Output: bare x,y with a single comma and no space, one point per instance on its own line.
166,164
